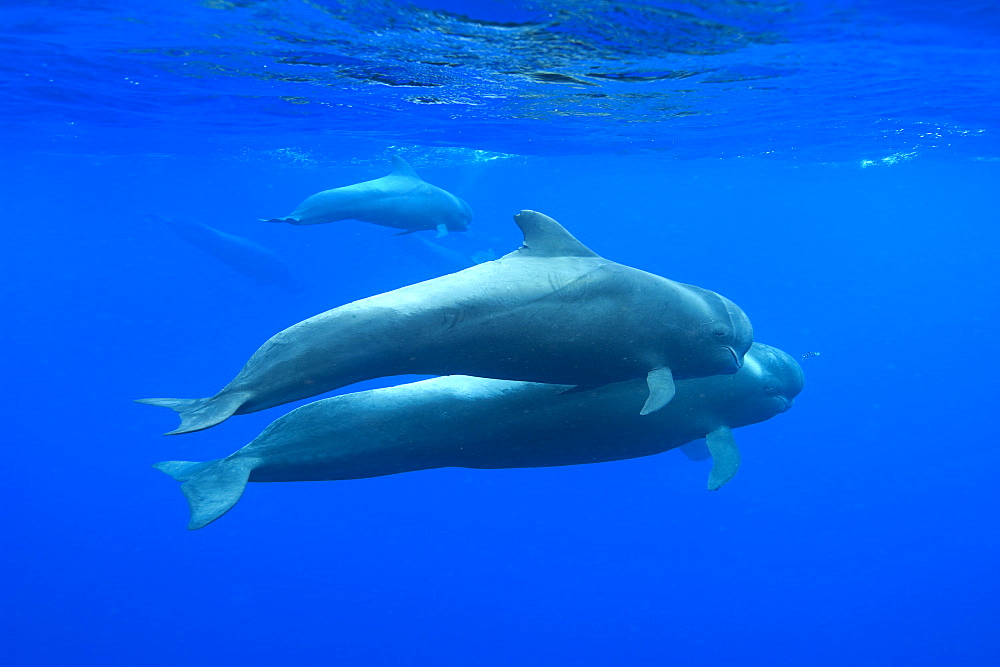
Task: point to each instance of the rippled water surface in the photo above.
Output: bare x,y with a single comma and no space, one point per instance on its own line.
820,81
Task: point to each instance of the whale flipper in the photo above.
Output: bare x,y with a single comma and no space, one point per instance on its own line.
661,389
199,413
211,488
725,457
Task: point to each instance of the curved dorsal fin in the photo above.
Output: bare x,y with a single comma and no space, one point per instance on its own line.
401,169
544,237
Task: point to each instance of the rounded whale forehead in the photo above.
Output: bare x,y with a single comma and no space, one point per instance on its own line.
460,217
767,373
775,367
726,321
711,306
742,329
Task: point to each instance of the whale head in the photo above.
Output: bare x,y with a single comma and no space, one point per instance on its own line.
767,384
724,337
459,217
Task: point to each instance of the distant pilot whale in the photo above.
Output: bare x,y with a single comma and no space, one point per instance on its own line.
448,259
243,255
552,311
470,422
401,200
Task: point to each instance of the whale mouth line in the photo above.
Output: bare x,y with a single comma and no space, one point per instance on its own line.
736,357
784,402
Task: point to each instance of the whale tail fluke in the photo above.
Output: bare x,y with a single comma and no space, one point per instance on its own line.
211,488
290,220
198,414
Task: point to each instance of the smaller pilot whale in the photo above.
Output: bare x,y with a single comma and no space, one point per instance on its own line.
462,421
402,200
243,255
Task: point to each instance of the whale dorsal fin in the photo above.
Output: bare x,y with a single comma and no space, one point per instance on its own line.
401,169
544,237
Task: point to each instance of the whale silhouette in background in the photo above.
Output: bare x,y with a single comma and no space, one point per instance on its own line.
461,421
401,200
243,255
553,311
448,258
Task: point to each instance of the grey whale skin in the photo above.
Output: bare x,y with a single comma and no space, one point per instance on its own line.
468,422
402,200
552,311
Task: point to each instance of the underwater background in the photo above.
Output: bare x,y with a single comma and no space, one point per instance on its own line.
829,165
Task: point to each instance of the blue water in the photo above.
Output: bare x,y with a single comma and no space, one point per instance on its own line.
829,165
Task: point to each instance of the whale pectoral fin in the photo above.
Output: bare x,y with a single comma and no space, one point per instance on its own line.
408,231
211,488
442,230
290,220
725,457
199,413
661,389
696,451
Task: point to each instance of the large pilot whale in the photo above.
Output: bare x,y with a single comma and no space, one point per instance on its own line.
552,311
461,421
402,200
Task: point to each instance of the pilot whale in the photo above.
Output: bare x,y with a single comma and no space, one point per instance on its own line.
402,200
241,254
468,422
552,311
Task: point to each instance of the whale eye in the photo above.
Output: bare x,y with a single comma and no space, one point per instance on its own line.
719,333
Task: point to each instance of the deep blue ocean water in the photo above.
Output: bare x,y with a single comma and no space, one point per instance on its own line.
830,165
